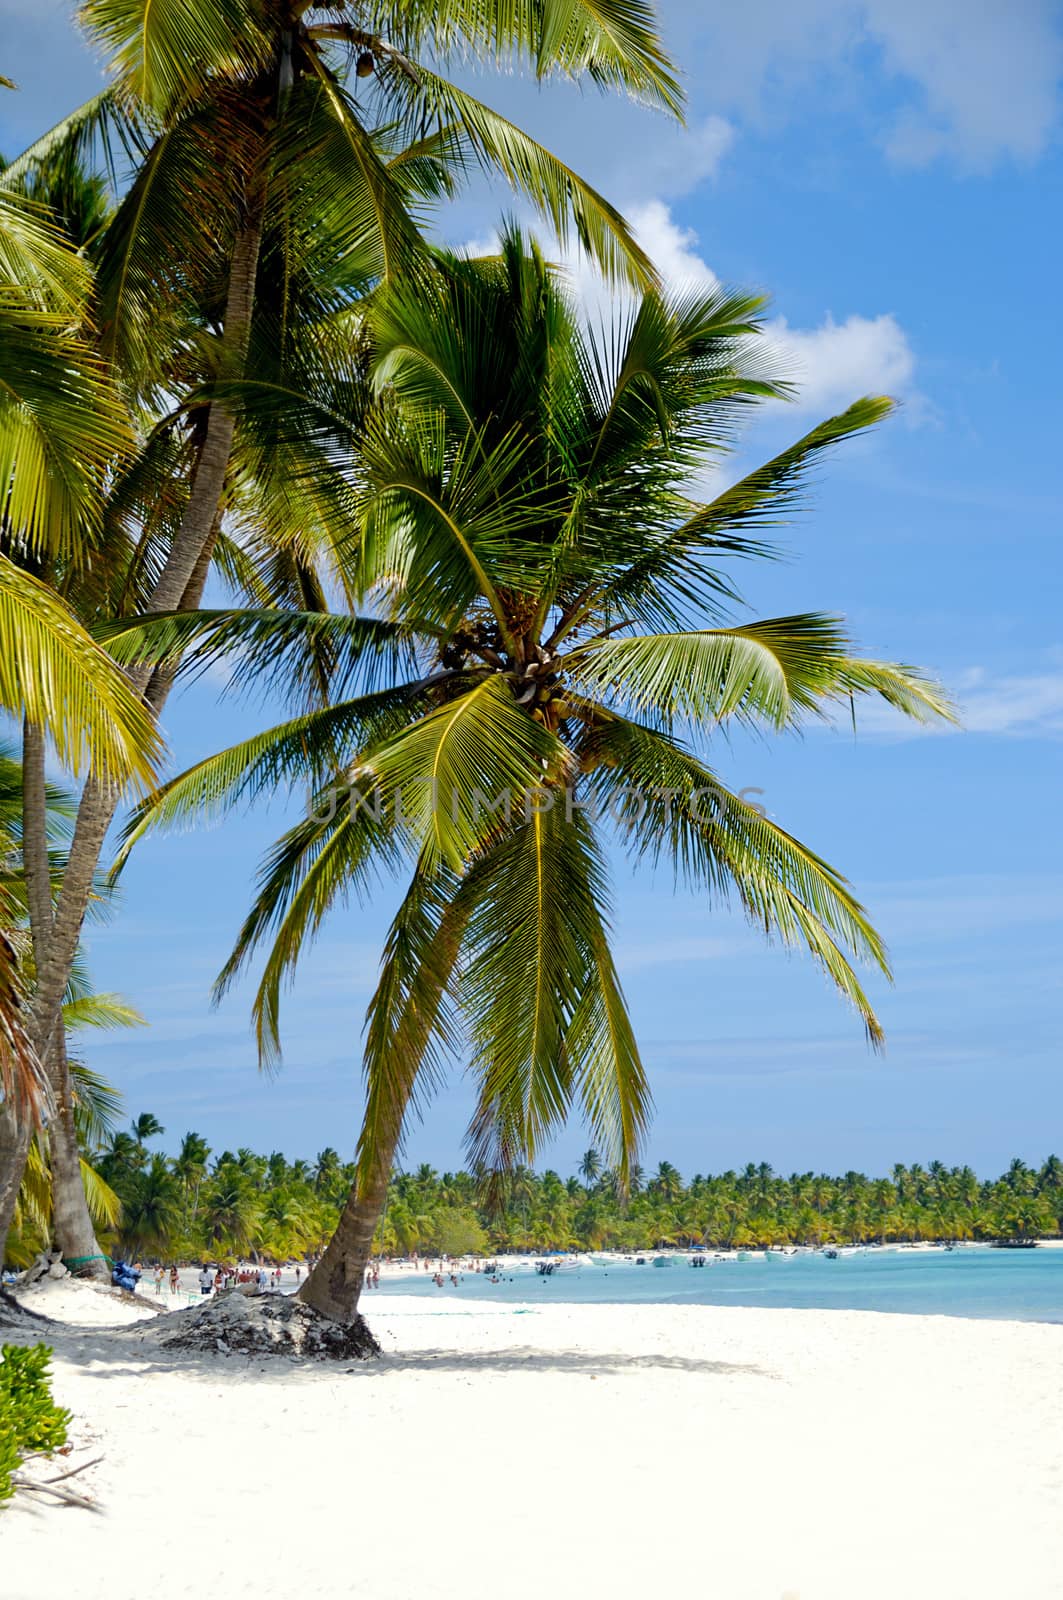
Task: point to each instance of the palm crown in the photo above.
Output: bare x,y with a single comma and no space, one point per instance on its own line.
540,657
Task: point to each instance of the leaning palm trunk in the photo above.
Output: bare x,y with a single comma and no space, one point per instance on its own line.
409,1006
59,934
335,1284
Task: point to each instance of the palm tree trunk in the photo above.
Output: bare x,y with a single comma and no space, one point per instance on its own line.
71,1223
99,800
15,1136
35,864
334,1285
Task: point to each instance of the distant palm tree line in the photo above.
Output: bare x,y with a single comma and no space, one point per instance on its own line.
240,1203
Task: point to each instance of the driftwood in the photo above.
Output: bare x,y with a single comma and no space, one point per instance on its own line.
49,1485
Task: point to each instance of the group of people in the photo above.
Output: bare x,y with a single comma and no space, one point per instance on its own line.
213,1278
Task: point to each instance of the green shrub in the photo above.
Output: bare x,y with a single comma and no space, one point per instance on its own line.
29,1417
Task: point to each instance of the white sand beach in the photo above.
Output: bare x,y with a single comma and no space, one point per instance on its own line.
564,1450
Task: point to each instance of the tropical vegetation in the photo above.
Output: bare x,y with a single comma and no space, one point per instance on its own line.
233,1205
30,1421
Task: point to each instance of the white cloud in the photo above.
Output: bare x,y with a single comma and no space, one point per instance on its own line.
670,246
676,160
1018,706
831,365
836,363
987,76
1030,706
977,80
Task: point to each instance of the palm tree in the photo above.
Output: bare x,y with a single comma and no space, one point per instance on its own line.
150,1208
1051,1174
590,1166
59,421
146,1126
261,197
666,1182
61,426
190,1166
326,1166
231,1212
92,1103
546,628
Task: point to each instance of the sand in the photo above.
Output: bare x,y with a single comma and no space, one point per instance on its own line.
497,1453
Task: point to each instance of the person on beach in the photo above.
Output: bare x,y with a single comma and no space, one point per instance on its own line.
159,1275
206,1279
175,1280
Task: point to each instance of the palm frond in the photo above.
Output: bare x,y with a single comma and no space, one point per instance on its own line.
262,645
318,864
105,1207
35,258
97,124
570,205
908,690
61,427
307,751
101,1011
715,841
546,1015
614,42
161,50
60,679
730,523
450,769
98,1105
772,670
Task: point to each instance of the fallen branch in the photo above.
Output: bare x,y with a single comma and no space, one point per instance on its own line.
67,1496
48,1485
84,1467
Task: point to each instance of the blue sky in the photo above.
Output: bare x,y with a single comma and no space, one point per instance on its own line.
890,172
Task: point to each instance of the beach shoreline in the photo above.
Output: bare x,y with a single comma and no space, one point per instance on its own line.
511,1449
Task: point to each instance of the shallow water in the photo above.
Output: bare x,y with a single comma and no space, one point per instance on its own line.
972,1281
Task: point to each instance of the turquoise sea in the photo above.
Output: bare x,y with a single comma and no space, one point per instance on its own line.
971,1281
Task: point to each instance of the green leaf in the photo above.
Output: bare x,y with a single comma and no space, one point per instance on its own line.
55,675
672,808
61,428
545,1011
771,670
557,192
452,768
162,51
101,1011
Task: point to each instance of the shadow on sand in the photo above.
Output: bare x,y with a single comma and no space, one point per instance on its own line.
124,1352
